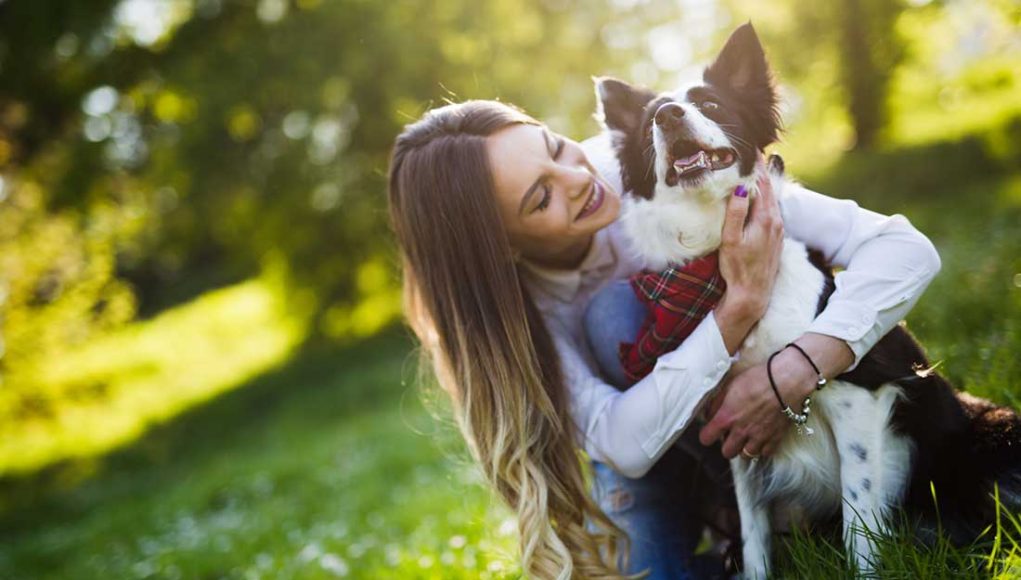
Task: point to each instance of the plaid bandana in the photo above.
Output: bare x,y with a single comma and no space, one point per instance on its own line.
677,300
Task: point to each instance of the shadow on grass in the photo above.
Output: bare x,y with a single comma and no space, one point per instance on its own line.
319,385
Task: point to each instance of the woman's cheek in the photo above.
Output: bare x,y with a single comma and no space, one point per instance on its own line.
615,213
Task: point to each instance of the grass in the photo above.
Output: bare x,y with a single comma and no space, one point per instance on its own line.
114,387
326,467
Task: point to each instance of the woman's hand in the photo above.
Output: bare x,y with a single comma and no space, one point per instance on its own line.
747,411
749,259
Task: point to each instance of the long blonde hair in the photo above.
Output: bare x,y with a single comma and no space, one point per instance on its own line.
491,351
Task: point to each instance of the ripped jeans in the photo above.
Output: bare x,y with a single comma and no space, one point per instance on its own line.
658,514
661,510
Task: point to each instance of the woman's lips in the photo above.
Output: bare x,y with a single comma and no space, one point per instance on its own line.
595,201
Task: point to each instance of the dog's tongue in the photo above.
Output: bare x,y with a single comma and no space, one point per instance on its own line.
692,163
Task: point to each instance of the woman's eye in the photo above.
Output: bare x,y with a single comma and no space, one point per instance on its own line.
560,147
544,202
710,106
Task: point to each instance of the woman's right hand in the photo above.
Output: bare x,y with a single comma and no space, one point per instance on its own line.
749,259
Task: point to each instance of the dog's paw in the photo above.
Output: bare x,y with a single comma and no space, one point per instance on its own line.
756,562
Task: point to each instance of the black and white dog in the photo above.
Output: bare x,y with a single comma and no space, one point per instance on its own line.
883,432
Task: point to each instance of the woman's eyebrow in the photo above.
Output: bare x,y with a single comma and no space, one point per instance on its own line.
535,186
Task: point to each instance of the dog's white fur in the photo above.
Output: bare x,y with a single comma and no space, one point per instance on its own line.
854,458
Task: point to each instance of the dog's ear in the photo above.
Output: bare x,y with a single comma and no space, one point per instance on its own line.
741,70
741,65
620,105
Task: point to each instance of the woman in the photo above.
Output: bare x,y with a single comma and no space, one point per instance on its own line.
503,247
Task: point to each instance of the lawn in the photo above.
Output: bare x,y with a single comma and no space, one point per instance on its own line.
329,466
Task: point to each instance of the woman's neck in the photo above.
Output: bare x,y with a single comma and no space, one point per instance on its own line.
566,258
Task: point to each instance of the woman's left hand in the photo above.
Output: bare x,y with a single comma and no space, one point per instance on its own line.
746,411
749,415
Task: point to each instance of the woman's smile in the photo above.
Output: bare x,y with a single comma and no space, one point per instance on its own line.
551,199
595,201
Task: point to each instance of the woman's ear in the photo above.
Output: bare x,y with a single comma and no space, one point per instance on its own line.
619,105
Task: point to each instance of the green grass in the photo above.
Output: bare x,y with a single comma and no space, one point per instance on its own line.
111,389
326,467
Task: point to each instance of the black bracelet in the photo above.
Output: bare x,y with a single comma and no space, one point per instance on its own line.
821,382
799,419
772,382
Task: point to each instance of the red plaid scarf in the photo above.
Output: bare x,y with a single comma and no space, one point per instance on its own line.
677,300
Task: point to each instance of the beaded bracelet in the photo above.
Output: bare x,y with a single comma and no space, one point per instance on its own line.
798,419
821,382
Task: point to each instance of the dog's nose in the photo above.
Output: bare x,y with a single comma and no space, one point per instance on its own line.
669,115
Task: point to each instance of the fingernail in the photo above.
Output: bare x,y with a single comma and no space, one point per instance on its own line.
741,191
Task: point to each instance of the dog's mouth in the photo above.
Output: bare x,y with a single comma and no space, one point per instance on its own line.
690,162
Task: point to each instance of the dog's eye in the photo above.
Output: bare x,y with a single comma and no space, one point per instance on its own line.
710,105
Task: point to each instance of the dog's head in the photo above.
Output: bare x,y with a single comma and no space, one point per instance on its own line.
702,139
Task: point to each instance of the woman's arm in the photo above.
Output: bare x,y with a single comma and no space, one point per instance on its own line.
630,430
888,264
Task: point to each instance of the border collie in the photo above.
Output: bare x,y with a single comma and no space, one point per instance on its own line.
883,432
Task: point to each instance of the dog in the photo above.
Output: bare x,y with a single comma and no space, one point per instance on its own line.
885,435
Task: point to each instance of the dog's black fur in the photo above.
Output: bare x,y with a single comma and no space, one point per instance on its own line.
963,445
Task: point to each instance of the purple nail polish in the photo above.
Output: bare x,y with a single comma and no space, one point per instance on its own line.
740,191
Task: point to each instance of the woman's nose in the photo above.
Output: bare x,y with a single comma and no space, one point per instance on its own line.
577,180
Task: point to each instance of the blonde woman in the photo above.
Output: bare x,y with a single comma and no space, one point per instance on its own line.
507,231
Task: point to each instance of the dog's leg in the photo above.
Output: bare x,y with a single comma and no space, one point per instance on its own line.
755,528
874,464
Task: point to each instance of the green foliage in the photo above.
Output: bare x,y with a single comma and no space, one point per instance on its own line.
107,391
58,290
295,169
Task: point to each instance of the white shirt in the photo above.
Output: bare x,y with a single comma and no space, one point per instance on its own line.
887,265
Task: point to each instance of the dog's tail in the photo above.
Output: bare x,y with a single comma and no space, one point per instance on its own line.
966,448
978,466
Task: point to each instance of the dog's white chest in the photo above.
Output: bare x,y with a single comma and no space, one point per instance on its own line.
792,307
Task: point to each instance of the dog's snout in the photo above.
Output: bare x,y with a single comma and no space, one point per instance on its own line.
669,115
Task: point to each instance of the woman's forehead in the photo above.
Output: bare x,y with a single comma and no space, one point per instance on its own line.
516,157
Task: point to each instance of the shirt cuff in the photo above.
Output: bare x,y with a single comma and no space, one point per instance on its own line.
702,364
853,322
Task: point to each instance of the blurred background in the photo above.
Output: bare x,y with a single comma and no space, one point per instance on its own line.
203,373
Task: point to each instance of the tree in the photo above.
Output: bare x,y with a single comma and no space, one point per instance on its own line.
870,49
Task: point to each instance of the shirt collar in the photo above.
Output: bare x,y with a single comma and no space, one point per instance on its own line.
564,284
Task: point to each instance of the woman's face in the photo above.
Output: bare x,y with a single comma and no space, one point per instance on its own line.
551,199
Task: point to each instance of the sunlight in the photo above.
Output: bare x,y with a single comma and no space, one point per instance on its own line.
147,22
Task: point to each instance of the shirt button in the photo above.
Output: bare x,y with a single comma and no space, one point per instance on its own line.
865,318
721,365
707,381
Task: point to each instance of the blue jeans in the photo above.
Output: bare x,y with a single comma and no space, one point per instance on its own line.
661,510
657,511
614,315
